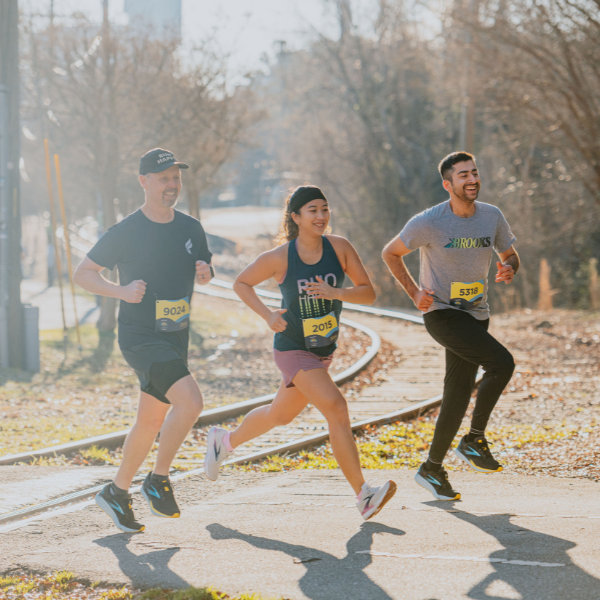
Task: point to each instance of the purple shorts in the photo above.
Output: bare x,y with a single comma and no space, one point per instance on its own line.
292,361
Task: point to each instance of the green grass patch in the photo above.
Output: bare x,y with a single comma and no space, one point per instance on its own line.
80,395
63,585
405,445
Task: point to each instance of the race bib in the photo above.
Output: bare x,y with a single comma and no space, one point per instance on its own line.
466,295
322,331
172,315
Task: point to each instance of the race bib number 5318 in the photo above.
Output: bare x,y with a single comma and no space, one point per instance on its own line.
172,315
466,295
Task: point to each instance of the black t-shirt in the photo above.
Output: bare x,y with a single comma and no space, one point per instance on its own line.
163,255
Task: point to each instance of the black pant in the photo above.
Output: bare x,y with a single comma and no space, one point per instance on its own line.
468,345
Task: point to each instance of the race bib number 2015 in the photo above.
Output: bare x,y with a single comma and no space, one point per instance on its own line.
466,295
322,331
172,315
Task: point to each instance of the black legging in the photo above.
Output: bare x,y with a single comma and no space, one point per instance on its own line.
468,345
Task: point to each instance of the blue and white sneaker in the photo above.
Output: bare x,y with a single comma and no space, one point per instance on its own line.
118,508
437,483
160,498
477,455
216,452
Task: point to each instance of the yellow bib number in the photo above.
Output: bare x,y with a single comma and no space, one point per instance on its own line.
322,331
466,295
172,315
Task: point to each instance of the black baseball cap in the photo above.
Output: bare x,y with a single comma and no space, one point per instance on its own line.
157,160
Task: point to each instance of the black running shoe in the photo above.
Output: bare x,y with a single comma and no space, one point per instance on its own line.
437,483
477,455
160,497
118,508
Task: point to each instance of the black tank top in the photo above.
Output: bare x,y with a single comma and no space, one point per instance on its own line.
313,324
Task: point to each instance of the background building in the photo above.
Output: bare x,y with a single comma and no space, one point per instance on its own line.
164,16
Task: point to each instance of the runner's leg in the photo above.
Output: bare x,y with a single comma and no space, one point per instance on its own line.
150,418
287,405
317,385
186,401
468,339
459,383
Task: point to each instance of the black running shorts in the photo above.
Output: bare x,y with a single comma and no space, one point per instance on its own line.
158,367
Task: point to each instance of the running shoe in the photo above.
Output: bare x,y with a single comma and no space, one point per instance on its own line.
118,508
437,483
160,497
477,455
372,499
216,452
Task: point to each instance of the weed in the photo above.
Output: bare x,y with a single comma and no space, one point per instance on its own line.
6,581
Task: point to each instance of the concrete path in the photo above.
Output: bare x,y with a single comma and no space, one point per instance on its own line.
48,301
25,485
298,535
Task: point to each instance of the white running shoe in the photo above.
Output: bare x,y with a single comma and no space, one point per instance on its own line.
216,452
372,499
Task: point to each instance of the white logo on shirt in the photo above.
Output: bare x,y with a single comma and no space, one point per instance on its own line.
188,246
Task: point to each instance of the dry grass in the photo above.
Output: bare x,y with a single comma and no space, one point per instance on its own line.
63,585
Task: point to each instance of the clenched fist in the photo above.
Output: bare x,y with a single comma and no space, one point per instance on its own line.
505,273
275,321
134,292
423,299
203,272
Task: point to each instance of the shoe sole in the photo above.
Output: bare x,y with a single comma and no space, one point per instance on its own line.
107,508
388,496
473,466
426,485
154,511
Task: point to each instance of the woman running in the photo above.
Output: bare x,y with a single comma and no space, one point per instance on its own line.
310,267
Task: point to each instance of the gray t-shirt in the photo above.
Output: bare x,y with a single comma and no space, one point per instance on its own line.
456,254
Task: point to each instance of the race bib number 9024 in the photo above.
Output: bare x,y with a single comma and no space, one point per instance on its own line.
466,295
322,331
172,315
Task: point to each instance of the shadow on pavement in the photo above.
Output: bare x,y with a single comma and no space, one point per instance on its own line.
144,570
520,543
325,572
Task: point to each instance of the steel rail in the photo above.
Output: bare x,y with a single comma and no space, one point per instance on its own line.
380,312
22,517
212,415
83,498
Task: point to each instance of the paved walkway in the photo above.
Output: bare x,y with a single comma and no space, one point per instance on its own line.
49,303
298,535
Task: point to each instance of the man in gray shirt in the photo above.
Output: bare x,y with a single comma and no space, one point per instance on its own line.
456,240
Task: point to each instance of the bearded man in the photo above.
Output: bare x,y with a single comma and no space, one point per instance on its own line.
456,240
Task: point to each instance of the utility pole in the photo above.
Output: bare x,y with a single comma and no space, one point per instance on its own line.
12,350
466,139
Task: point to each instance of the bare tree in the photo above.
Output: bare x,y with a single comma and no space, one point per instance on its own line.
109,94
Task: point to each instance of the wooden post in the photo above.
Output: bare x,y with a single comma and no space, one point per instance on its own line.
594,285
546,291
56,246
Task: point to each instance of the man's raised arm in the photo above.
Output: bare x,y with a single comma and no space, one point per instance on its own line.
87,275
393,255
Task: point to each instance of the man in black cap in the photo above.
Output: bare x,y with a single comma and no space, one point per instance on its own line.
159,252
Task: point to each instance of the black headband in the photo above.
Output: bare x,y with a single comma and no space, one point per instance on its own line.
304,196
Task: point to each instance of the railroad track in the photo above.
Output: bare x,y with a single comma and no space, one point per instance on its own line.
408,392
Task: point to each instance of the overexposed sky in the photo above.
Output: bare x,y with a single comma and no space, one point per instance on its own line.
246,29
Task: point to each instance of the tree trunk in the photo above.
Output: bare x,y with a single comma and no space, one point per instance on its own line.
193,200
594,285
546,291
107,321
